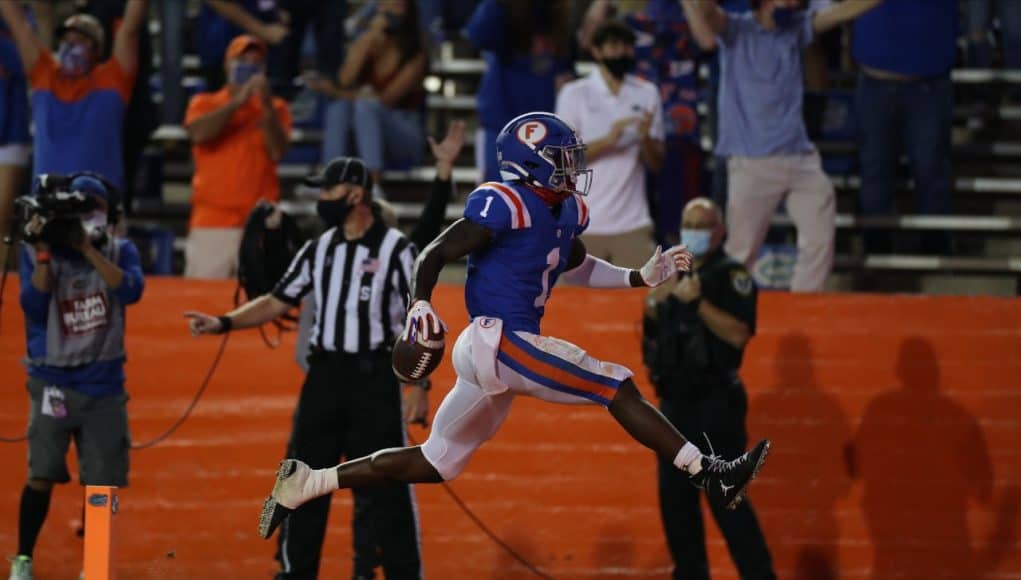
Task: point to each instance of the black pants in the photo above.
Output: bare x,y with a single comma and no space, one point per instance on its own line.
719,412
351,407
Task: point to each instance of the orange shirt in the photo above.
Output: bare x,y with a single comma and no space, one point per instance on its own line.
234,171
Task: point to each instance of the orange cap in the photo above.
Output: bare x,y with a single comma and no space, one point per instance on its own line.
242,43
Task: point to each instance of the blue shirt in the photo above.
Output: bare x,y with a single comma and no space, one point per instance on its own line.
512,278
761,87
915,38
78,120
99,379
514,83
14,112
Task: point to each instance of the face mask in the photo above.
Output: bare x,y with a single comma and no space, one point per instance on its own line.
240,72
785,17
619,66
95,225
74,59
333,212
698,241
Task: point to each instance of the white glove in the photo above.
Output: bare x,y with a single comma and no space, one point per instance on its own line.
423,324
664,265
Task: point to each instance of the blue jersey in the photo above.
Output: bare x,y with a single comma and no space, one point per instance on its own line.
512,278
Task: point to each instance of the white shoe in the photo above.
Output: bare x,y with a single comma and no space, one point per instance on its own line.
21,568
288,493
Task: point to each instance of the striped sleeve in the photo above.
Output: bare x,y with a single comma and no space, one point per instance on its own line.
297,281
498,207
402,271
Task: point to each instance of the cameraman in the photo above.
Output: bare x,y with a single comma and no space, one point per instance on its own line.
76,279
695,331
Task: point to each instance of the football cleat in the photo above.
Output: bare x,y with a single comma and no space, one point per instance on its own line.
726,482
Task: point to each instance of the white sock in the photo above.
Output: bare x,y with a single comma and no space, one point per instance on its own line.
321,481
689,459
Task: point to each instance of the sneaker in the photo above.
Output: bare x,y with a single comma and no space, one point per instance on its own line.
288,493
21,568
726,482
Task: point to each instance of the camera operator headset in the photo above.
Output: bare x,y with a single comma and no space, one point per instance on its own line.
76,279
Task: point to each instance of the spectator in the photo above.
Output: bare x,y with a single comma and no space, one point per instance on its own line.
78,100
141,119
380,97
527,58
220,21
979,15
620,117
75,286
669,58
238,136
695,331
762,130
15,140
326,17
905,95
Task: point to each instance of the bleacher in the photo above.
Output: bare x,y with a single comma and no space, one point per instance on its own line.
986,206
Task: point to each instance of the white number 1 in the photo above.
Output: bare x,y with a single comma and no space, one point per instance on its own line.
552,260
485,210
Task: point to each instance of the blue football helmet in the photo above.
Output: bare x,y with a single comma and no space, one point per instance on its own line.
543,150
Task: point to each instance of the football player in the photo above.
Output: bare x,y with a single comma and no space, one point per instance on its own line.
519,235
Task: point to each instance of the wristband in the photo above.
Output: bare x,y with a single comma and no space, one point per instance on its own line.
226,324
694,304
43,257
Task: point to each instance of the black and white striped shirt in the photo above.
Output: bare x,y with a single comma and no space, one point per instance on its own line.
361,287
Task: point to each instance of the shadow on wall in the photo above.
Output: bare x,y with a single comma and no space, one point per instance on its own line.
921,458
809,430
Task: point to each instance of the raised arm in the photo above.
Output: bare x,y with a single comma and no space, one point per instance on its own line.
456,242
236,14
707,21
25,40
125,43
838,14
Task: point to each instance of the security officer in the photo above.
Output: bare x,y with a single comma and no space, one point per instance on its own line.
695,331
350,405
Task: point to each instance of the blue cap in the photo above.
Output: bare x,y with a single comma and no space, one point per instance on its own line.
90,186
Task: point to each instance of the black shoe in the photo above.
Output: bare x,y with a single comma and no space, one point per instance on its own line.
725,482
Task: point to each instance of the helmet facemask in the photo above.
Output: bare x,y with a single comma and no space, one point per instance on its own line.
570,173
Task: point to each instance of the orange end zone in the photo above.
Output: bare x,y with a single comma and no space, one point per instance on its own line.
894,421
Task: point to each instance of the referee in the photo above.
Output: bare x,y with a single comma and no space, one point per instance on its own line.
359,271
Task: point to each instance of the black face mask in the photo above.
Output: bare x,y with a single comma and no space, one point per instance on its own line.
619,66
333,212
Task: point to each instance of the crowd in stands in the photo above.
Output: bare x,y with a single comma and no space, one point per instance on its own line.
90,99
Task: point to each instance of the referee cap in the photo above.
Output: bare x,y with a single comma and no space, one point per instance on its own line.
342,170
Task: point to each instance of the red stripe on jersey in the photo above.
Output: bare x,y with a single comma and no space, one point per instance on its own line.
523,219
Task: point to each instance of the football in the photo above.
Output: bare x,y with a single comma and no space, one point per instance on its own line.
414,360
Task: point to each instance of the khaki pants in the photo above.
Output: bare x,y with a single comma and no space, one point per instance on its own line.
628,250
212,253
757,186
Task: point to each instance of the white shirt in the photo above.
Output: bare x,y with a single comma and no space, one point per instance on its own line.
616,200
